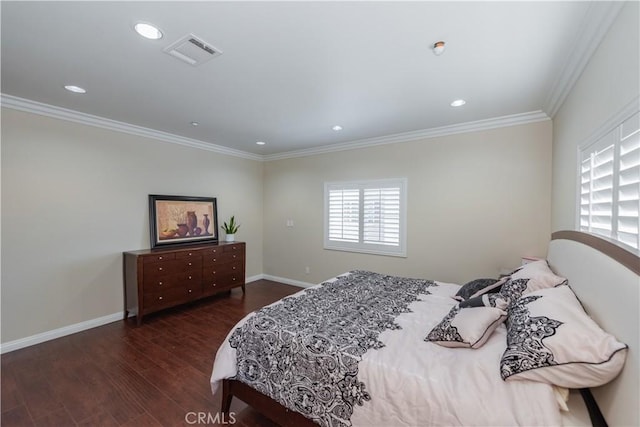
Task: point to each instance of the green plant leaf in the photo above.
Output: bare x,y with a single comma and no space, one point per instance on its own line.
231,227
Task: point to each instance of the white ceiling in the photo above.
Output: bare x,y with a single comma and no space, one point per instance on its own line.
292,70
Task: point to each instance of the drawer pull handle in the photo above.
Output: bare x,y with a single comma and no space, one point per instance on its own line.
234,279
214,272
189,290
234,256
189,263
214,284
159,257
160,283
214,260
189,253
189,277
234,268
159,298
159,268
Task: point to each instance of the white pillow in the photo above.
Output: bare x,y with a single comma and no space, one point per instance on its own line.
467,327
551,339
540,276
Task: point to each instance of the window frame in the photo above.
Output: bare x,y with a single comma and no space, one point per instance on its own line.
361,247
612,130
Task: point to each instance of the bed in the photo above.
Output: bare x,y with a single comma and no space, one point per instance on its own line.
372,365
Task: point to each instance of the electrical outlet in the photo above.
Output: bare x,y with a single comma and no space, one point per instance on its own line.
307,270
289,223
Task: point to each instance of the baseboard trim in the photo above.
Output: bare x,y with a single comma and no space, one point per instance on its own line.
100,321
286,281
59,333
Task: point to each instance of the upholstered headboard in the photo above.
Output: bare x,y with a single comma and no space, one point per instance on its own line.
606,279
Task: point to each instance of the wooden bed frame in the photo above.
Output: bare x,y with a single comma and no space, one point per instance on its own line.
606,279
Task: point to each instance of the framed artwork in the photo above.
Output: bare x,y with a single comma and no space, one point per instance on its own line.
182,220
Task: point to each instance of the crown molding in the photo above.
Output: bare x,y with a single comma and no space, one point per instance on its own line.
34,107
42,109
494,123
595,25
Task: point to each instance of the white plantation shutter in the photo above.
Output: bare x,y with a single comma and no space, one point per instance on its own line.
366,216
344,215
628,226
610,184
597,187
382,216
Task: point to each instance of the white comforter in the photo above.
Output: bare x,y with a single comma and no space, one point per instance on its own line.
417,383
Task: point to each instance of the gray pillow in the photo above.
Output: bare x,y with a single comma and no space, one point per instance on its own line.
479,287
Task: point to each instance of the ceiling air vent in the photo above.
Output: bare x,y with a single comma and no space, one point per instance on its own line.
192,50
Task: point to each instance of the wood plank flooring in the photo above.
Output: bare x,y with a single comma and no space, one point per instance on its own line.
123,375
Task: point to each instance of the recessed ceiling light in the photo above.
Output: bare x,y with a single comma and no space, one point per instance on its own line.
260,142
194,123
438,48
148,31
337,128
458,103
75,89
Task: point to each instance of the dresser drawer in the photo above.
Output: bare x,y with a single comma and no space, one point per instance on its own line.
235,279
217,250
193,292
187,265
221,278
195,254
158,257
171,297
159,283
212,287
221,258
221,282
155,269
165,298
235,267
189,278
233,248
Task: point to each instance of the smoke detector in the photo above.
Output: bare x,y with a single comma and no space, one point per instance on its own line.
192,50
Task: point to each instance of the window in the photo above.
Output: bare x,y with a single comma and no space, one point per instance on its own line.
366,216
610,184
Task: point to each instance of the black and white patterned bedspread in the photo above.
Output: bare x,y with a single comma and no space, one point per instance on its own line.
304,351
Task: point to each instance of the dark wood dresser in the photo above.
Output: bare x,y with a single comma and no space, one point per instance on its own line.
162,278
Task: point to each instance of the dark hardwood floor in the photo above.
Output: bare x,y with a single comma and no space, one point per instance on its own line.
122,375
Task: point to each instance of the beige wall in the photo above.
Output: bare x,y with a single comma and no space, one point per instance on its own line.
477,202
74,197
609,82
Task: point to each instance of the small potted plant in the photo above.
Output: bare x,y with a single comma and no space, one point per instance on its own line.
230,229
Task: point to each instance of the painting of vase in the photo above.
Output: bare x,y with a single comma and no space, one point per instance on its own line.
182,220
192,222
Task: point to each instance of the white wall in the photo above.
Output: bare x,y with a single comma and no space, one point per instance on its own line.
477,202
609,82
74,198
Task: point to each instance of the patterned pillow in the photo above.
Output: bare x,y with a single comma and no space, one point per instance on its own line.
478,287
540,276
515,288
551,339
466,327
